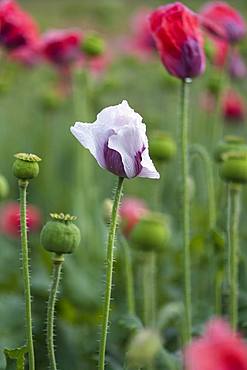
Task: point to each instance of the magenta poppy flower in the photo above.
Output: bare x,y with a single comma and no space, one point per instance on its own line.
223,21
61,47
176,31
17,28
219,348
118,141
29,56
131,211
10,219
237,66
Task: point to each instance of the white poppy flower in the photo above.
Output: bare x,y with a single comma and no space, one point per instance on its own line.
118,141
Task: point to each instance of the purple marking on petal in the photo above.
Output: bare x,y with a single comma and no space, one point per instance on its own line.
138,159
113,161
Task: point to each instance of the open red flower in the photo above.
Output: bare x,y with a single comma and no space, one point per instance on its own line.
61,47
177,34
233,107
218,349
10,219
17,28
221,20
131,210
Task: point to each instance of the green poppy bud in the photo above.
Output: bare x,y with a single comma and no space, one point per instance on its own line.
93,45
161,146
60,235
26,166
214,85
151,233
4,187
209,49
143,348
229,144
234,167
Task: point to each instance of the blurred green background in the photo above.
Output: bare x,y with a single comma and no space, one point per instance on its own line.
31,122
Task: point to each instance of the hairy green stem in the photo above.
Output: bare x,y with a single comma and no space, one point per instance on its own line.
234,199
129,279
185,205
209,179
109,271
56,274
25,267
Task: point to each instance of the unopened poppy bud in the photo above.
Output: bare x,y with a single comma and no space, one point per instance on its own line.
214,85
143,348
234,167
162,147
151,233
4,187
229,144
60,235
26,166
107,210
93,45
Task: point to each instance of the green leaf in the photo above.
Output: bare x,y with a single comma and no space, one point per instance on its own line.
17,354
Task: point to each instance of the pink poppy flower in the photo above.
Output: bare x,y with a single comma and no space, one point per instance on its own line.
131,211
219,348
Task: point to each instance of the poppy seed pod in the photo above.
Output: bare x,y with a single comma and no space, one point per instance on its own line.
161,146
60,235
234,167
26,166
151,233
93,45
4,187
143,348
229,144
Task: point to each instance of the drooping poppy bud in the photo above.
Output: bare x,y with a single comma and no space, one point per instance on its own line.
222,21
176,31
118,141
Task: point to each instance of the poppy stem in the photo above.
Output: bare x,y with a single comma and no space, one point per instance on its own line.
23,184
203,154
109,271
185,204
129,278
56,274
233,250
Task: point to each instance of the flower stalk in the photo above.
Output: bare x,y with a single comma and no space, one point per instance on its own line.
23,184
185,204
109,271
56,275
233,250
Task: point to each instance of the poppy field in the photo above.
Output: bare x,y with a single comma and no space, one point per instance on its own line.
123,172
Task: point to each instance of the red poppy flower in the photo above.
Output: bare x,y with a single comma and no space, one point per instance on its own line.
222,21
17,28
177,34
233,107
218,349
130,212
221,52
10,219
61,47
29,56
